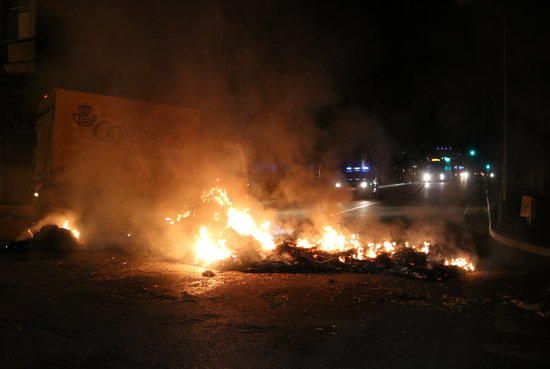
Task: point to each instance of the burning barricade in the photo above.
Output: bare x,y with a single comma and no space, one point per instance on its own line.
328,250
227,236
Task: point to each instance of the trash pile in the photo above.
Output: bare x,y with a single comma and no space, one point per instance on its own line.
287,258
50,239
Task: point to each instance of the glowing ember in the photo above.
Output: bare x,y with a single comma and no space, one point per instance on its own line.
333,242
179,217
425,248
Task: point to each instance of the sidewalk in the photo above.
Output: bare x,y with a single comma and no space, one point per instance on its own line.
514,230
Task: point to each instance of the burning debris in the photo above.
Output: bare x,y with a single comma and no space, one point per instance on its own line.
54,235
75,232
229,237
288,258
330,250
49,239
55,240
461,262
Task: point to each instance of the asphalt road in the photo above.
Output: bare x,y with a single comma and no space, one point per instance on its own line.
97,310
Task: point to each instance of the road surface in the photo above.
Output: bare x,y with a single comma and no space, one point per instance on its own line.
98,310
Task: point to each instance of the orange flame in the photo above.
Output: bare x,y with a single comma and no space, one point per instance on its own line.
460,262
74,231
242,223
208,250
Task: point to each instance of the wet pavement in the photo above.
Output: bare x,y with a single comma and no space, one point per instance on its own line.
98,310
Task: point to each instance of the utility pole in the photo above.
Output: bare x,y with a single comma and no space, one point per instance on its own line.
504,170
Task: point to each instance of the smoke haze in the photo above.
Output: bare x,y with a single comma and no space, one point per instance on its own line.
262,74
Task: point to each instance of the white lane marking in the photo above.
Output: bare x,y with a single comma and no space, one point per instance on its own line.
466,211
362,206
396,185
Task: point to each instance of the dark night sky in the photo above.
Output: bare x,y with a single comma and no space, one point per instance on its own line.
433,70
429,70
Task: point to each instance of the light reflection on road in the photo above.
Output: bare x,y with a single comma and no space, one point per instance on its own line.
362,205
426,200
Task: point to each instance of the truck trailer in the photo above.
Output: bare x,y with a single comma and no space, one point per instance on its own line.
110,156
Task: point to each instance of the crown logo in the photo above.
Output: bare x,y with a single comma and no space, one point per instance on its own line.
84,116
85,109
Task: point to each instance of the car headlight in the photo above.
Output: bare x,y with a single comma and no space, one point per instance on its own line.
363,184
337,185
426,177
441,176
492,175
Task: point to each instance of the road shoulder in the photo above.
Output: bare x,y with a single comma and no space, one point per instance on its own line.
513,242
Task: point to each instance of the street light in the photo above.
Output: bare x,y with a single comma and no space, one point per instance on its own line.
504,175
472,152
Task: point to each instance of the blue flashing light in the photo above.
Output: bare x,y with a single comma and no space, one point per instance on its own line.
447,159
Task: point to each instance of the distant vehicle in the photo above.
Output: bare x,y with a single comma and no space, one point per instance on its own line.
484,174
360,177
462,172
437,170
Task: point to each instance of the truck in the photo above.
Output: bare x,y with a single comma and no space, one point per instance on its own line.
436,169
361,177
112,157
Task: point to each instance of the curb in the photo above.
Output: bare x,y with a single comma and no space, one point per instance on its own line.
511,242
